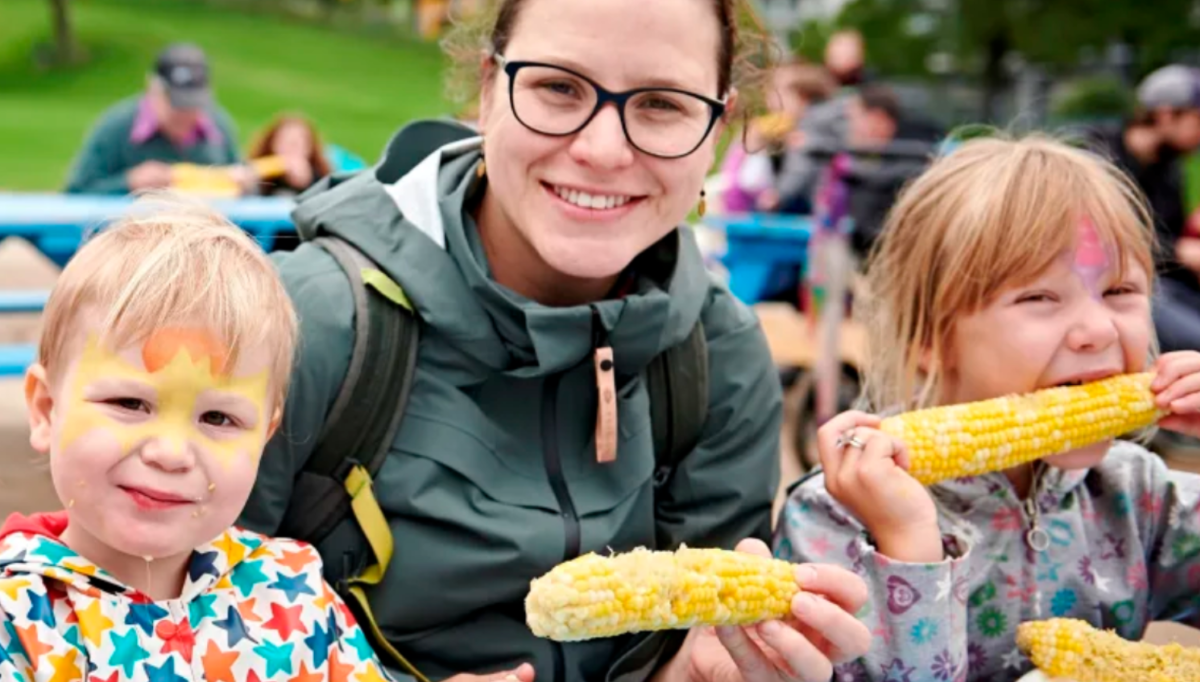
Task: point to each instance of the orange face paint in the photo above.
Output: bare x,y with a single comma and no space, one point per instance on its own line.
164,344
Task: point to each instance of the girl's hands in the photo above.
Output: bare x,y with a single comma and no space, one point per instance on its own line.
866,471
1177,388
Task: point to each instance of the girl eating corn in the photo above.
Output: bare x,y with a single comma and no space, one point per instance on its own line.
1007,268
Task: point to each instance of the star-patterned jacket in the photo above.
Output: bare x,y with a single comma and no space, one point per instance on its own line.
1117,545
253,609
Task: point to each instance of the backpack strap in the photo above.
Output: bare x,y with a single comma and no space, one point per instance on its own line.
356,432
337,480
677,380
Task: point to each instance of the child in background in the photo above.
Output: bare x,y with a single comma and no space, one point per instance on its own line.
162,371
1009,266
294,141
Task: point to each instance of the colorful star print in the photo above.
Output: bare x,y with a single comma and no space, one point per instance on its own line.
163,673
235,626
269,617
247,576
278,657
93,623
127,652
203,563
319,643
145,616
286,620
218,664
293,586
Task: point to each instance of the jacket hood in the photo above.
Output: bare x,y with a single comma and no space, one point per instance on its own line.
407,213
32,546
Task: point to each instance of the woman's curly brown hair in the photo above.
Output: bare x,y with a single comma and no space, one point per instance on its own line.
748,50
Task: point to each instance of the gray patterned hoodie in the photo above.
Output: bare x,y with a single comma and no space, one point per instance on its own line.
1117,545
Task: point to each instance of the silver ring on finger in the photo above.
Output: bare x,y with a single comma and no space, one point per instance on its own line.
848,438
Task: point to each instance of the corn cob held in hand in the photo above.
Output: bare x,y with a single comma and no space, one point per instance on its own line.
605,596
1073,649
952,441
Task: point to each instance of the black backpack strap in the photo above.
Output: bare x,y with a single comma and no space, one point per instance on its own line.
677,380
335,491
356,431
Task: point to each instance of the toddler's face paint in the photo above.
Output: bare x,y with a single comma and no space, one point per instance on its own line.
182,369
1091,259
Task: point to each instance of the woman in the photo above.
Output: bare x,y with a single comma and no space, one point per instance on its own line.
523,254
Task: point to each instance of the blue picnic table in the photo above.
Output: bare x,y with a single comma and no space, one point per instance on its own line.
762,250
57,223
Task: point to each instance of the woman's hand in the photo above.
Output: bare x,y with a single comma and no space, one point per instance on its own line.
1177,388
866,471
821,632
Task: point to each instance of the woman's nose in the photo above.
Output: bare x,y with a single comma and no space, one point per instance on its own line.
602,142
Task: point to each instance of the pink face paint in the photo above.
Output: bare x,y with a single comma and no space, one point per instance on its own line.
1091,258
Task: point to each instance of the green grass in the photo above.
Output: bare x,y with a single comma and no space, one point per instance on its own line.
358,88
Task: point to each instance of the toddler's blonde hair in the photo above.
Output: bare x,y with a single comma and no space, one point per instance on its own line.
992,214
171,262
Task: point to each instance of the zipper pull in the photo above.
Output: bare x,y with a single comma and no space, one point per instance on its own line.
1037,538
606,392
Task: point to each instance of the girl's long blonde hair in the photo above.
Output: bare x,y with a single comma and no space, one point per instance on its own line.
993,214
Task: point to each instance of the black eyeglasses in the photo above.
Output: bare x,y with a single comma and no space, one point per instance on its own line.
664,122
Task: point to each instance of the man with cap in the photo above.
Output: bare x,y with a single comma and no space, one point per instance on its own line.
136,141
1148,147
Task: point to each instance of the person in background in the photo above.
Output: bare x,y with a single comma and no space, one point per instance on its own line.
874,118
175,121
825,125
1148,147
297,144
751,169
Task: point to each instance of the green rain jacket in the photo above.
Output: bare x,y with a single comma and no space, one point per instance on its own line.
492,478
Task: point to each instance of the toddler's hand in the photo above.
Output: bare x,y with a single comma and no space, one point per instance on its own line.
1177,388
866,471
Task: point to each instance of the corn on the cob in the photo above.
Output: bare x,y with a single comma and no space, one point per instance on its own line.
605,596
992,435
1073,649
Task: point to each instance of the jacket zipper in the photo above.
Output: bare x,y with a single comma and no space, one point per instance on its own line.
558,483
1036,536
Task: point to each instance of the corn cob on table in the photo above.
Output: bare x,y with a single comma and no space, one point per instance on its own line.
1069,648
952,441
605,596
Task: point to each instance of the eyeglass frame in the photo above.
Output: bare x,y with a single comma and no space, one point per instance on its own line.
603,97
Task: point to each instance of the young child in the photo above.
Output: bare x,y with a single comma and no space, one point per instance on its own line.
161,373
1008,266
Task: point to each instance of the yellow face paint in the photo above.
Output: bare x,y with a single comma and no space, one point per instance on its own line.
176,380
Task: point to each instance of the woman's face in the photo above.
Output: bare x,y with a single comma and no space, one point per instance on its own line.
629,199
292,139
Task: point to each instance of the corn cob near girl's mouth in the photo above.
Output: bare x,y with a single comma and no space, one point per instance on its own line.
952,441
605,596
1073,649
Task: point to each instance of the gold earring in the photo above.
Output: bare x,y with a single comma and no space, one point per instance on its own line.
703,205
481,169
